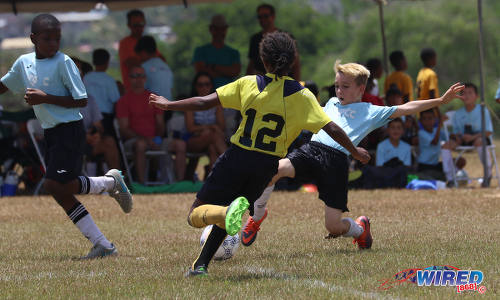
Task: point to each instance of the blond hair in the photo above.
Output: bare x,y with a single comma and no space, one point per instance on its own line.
357,71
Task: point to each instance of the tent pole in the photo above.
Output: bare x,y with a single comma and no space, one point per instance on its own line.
486,180
382,30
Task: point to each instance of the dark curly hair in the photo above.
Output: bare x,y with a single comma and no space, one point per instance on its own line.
278,51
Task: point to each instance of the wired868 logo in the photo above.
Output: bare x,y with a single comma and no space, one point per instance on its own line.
463,280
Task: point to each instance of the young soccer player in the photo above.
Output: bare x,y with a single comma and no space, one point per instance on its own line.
52,85
324,161
275,109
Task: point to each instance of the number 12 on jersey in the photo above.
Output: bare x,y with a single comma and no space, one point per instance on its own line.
246,138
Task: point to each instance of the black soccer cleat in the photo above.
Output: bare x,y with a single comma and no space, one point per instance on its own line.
198,271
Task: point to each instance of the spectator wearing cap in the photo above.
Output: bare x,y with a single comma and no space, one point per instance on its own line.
266,15
221,62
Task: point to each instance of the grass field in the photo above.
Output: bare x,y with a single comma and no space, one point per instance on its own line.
290,259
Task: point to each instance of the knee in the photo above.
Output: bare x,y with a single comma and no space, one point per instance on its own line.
478,142
141,146
180,146
51,186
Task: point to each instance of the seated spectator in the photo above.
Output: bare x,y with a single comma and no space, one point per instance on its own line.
467,124
370,98
429,144
394,97
205,128
99,143
102,88
141,125
159,76
399,79
393,159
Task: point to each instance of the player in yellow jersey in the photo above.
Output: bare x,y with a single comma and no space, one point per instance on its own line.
275,108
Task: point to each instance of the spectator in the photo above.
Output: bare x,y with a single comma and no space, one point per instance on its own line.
216,58
467,124
393,97
136,22
427,80
374,65
393,159
399,78
141,123
393,146
159,77
102,88
429,144
370,98
266,15
221,62
206,128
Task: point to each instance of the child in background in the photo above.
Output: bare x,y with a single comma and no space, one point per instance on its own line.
429,145
394,97
399,78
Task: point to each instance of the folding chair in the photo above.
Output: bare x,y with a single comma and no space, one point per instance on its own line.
35,131
490,150
128,160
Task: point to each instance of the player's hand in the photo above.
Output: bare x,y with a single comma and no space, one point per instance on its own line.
363,156
158,101
34,96
452,93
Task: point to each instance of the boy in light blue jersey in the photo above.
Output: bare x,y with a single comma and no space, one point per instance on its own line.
51,83
429,142
393,146
159,76
324,161
103,88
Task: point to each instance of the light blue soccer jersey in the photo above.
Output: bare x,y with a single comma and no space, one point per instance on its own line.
103,88
356,119
429,154
160,78
497,94
462,117
386,151
56,76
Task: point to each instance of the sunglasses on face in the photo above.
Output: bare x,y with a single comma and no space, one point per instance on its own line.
137,75
263,16
137,25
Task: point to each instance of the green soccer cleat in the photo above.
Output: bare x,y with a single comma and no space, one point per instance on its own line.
234,213
198,271
120,192
99,251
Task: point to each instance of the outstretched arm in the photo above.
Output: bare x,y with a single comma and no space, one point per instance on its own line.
339,135
414,107
35,96
189,104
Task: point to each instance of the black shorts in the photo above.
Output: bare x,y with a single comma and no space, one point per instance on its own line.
65,145
238,172
327,167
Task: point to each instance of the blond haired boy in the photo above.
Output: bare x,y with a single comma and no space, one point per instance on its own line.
325,162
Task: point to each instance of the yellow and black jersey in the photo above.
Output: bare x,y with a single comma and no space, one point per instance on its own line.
427,81
274,109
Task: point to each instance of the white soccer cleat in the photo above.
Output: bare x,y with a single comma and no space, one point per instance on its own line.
120,192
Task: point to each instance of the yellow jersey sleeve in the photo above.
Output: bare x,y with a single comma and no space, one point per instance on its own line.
314,118
230,94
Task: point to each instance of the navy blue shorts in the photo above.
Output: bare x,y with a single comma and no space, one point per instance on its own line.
65,145
325,166
238,172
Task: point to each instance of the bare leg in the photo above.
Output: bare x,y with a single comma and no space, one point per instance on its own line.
141,145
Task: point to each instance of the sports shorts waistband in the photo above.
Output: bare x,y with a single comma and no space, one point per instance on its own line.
328,148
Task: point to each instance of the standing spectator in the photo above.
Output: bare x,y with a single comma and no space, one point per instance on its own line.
103,88
159,77
221,62
216,58
399,78
206,128
497,95
429,144
374,65
266,15
427,80
141,124
136,21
